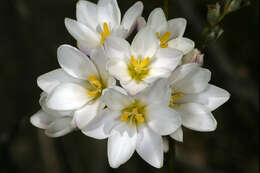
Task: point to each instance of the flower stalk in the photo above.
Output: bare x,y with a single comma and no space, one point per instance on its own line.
166,8
171,156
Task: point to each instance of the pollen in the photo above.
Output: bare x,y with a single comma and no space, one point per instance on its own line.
105,33
134,114
174,97
96,87
164,39
139,68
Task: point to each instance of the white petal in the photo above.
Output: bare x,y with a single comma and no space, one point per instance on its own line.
85,115
51,112
100,59
119,70
177,27
83,47
82,33
213,97
116,100
120,148
177,135
157,21
131,15
195,82
167,58
150,147
141,23
117,48
51,80
42,120
109,12
145,43
60,128
159,93
87,14
68,97
197,117
162,119
119,31
76,63
183,71
97,133
101,126
183,44
133,87
157,73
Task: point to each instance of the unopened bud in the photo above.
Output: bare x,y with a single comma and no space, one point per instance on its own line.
214,13
237,4
194,56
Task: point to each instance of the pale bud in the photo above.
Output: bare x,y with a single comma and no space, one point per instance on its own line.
194,56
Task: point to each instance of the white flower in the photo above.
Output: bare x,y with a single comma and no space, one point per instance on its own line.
55,123
170,33
137,123
95,22
194,98
139,65
79,85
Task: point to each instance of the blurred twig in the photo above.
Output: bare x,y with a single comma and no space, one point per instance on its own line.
171,156
216,14
166,8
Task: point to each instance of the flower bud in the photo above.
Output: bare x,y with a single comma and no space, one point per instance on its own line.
214,13
194,56
237,4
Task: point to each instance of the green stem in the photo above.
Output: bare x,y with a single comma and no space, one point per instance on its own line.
171,156
166,8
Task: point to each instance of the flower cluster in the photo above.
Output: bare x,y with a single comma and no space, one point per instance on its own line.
132,94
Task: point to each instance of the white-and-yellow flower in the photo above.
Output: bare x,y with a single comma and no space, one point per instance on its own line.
170,33
136,123
96,22
79,85
139,65
194,98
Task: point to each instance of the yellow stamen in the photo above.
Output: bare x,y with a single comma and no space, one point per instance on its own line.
138,68
105,33
95,88
174,98
164,39
177,96
124,117
93,93
134,114
133,61
95,81
145,62
139,118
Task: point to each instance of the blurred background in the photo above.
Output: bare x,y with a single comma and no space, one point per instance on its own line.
32,30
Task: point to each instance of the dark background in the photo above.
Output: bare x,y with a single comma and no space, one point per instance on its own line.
31,31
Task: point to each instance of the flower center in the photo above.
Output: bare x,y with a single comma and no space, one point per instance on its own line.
96,87
174,97
138,68
105,33
164,39
134,114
